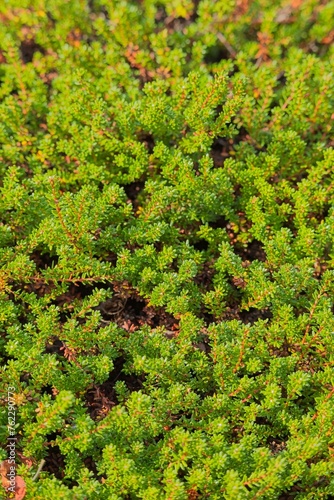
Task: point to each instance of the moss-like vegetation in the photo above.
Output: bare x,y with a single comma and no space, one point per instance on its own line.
166,248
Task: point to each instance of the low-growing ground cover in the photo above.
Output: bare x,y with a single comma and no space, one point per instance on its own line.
166,234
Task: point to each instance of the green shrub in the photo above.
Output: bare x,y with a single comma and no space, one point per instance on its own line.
166,247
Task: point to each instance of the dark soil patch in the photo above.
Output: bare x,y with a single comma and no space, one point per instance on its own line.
56,347
101,398
90,464
132,191
201,245
54,460
28,49
253,251
204,278
220,150
219,223
139,314
253,315
44,260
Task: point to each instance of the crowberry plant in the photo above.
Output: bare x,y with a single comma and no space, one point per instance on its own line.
167,248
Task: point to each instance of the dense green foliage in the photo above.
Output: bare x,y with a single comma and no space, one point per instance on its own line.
167,247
